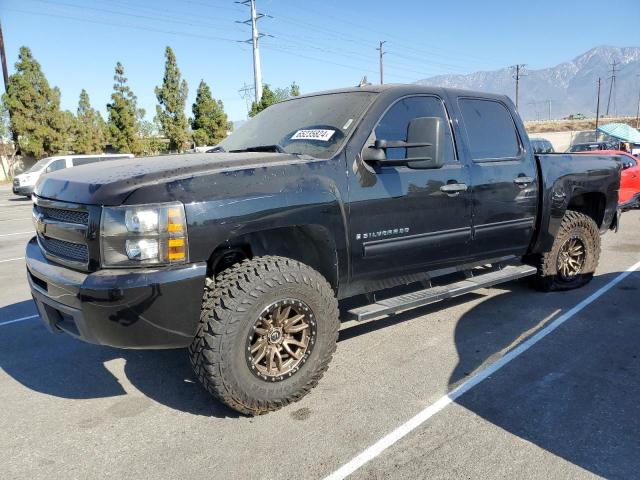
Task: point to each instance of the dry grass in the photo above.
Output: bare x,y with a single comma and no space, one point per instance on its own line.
573,125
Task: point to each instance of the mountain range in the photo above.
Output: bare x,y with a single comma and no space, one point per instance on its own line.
568,88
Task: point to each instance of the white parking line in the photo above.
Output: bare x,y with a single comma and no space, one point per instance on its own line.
388,440
18,320
11,259
16,233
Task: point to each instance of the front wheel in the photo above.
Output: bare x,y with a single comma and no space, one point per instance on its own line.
267,332
573,257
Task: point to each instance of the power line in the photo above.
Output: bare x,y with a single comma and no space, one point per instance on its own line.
137,27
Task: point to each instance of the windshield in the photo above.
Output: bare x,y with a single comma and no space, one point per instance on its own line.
39,165
313,126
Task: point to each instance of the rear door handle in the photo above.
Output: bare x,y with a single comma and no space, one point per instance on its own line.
453,189
522,181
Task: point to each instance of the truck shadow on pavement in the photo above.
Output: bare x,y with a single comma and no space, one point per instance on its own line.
575,393
63,367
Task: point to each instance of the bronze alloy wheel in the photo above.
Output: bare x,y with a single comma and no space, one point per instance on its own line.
281,340
571,258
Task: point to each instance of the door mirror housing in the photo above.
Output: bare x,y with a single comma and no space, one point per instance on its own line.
428,131
425,140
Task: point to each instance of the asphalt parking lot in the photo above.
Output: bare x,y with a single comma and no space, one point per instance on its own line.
563,404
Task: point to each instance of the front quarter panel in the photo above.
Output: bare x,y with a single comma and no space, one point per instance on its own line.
225,205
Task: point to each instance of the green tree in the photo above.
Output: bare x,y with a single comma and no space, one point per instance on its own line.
210,123
90,128
67,124
37,125
172,97
5,128
269,97
294,89
150,141
124,115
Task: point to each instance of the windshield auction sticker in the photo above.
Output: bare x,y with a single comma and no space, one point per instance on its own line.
315,134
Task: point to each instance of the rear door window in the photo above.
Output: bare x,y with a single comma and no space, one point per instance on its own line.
491,133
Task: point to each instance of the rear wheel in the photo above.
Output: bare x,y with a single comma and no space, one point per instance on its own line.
268,330
573,258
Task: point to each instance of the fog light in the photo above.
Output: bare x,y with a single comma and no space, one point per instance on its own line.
143,249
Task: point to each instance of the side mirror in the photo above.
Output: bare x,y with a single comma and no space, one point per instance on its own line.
626,165
427,131
425,138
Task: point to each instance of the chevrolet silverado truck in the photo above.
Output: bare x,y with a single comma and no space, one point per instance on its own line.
243,253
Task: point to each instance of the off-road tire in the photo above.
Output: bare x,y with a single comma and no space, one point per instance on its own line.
574,225
230,307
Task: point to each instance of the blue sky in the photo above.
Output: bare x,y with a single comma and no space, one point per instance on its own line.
319,44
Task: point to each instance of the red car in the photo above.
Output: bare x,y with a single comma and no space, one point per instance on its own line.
629,196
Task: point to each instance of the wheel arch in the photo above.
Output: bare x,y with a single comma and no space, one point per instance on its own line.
591,204
311,244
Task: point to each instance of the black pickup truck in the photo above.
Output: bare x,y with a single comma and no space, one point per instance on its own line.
243,253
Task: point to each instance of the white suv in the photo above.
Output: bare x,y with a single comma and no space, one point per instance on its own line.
23,184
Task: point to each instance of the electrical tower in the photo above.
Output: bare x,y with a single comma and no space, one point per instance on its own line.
246,92
255,36
381,50
614,64
517,75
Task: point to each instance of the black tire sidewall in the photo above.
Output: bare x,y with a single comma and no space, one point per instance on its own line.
244,380
575,225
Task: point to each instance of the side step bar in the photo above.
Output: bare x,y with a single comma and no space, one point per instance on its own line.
420,298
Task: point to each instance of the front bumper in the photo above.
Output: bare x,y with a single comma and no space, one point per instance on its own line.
133,308
25,190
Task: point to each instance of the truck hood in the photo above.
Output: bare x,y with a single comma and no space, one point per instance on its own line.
110,183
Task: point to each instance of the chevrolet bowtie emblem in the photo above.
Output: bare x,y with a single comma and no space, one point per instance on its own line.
41,227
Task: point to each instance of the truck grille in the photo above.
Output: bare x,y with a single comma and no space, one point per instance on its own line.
62,230
68,216
65,250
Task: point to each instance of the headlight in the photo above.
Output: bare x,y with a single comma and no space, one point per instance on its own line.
143,235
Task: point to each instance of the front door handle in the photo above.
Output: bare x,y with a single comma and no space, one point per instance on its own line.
453,189
523,181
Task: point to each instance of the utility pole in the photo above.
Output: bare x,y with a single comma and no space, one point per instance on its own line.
598,107
518,74
255,36
638,109
5,72
549,105
381,50
611,85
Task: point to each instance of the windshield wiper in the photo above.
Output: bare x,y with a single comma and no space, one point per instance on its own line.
261,148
